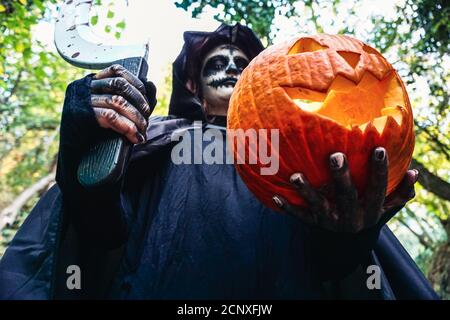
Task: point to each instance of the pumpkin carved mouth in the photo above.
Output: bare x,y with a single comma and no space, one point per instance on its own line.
370,101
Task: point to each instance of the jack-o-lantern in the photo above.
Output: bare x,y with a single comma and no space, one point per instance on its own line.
325,94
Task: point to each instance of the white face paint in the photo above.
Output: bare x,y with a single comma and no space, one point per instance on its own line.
221,69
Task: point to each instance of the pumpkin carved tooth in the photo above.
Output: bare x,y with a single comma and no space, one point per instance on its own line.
396,113
324,93
380,123
363,126
341,83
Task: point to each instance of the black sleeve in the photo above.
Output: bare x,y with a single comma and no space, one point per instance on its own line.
96,214
337,254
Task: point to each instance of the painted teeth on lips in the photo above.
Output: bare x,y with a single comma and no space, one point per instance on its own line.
230,81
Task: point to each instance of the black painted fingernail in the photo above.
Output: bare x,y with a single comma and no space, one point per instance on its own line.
297,179
277,201
140,137
337,160
416,175
380,154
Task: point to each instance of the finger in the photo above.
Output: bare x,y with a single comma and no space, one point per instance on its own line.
376,187
405,190
345,194
317,203
150,88
110,119
289,209
116,70
120,86
121,106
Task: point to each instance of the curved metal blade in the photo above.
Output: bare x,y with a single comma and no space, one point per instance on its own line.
78,45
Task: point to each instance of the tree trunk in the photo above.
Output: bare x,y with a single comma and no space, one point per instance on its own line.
439,271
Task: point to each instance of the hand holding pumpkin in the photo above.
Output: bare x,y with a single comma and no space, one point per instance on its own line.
325,93
346,213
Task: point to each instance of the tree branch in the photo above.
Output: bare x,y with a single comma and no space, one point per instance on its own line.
421,238
441,146
419,221
431,182
9,214
14,88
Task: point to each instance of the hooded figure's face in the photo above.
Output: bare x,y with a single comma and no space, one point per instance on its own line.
221,69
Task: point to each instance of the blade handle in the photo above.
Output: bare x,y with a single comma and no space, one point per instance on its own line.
105,162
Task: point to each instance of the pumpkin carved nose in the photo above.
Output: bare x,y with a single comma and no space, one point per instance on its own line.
351,57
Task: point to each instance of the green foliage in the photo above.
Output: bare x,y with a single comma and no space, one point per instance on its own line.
103,14
163,94
32,84
256,14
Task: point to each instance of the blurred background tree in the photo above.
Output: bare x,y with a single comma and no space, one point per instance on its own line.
415,39
32,85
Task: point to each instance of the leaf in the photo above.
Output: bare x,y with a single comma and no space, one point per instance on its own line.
94,20
110,14
117,35
107,29
19,47
40,73
2,8
121,24
24,2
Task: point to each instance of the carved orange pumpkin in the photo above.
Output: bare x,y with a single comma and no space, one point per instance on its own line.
325,93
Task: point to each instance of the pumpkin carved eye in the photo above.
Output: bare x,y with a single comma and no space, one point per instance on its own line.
352,58
306,45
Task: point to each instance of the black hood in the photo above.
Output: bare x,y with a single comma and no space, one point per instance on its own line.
184,101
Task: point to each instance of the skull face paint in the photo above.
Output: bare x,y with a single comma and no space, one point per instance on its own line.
221,69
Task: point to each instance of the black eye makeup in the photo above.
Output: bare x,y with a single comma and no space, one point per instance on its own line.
240,63
215,64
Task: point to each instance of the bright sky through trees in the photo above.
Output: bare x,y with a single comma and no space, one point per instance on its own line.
163,24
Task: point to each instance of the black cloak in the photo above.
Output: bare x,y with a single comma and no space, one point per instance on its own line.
186,231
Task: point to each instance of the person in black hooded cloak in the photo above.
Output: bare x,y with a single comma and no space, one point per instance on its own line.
189,231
